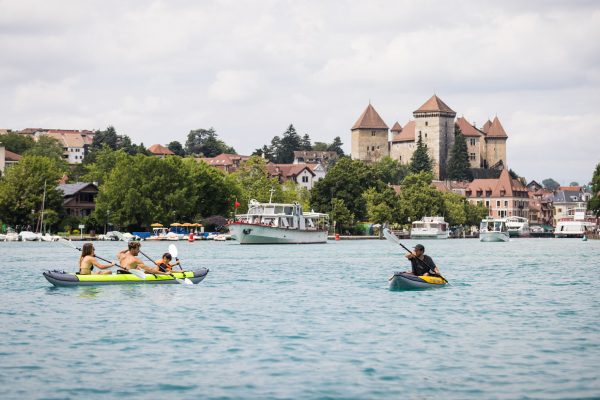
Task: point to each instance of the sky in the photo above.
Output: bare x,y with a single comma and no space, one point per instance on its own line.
157,69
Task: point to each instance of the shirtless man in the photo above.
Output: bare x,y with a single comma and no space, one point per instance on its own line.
128,260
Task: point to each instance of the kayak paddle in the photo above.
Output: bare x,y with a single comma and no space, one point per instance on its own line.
136,272
173,252
393,238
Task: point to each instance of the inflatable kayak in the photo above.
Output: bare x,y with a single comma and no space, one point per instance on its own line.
404,281
62,278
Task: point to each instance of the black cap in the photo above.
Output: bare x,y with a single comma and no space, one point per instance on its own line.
420,247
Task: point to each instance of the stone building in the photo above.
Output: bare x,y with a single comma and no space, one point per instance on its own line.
503,197
435,122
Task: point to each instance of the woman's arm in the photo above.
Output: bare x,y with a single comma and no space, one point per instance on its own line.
101,266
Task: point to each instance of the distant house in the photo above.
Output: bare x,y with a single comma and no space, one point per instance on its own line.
301,174
74,142
319,170
225,162
541,209
534,186
503,197
79,199
7,158
314,157
160,150
457,187
568,198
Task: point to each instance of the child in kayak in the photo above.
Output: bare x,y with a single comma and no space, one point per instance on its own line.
164,264
87,262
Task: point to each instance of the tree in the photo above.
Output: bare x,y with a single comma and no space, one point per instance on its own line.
305,143
47,146
22,189
391,171
458,167
550,184
574,183
346,181
16,142
203,142
290,142
106,160
340,215
455,208
382,206
418,198
320,146
106,137
255,183
594,203
420,160
336,146
475,213
176,148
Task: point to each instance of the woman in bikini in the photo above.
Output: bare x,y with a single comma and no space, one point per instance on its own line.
88,261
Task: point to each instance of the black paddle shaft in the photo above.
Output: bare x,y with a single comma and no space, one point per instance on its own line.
422,262
103,259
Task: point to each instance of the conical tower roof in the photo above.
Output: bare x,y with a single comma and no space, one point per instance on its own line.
396,128
369,119
435,104
496,129
486,127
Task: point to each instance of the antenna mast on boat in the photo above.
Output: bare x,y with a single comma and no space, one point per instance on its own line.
40,224
271,197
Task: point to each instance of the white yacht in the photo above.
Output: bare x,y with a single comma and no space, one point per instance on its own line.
30,236
493,230
430,228
278,223
517,226
576,224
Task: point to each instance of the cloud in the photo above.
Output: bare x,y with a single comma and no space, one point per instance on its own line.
234,85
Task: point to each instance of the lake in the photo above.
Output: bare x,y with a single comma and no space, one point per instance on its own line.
520,320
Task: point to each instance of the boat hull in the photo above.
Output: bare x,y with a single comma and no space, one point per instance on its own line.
259,234
419,235
61,278
493,237
404,281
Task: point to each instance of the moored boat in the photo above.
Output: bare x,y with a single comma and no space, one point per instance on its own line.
430,228
62,278
30,236
577,223
493,230
278,223
517,226
405,281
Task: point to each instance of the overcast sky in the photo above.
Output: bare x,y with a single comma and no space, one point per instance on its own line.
156,70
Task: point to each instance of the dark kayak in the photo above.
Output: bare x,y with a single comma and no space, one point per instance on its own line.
404,281
62,278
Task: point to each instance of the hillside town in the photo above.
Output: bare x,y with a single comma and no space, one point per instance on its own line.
488,181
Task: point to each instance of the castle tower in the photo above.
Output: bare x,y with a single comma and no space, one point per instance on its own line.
369,137
495,139
434,120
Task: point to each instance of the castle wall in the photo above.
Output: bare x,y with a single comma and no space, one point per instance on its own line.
369,145
402,151
495,150
438,134
474,150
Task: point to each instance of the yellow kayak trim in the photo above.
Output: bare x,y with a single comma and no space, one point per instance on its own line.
131,277
436,280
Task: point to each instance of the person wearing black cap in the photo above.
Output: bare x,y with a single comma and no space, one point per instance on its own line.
425,266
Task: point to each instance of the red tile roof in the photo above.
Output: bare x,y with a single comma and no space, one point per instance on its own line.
224,159
10,156
466,128
160,150
434,104
369,119
486,127
407,134
288,170
396,127
503,183
572,188
496,129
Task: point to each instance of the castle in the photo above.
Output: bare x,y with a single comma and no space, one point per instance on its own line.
434,121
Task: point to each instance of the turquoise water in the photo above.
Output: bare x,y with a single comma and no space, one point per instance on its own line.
521,320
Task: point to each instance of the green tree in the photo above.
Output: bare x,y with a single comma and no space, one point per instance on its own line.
458,168
340,215
176,148
255,183
574,183
305,143
22,190
418,198
382,205
290,142
455,208
346,181
16,142
550,184
594,203
336,146
391,171
320,146
475,213
206,143
420,160
47,146
106,160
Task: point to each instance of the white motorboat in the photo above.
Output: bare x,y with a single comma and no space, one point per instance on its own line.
517,227
430,228
578,223
278,223
12,237
49,238
493,230
30,236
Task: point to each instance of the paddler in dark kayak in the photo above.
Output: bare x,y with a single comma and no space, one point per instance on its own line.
424,267
128,259
87,262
